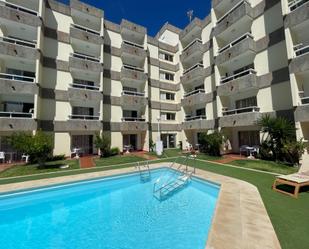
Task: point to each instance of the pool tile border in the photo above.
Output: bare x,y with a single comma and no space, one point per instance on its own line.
240,220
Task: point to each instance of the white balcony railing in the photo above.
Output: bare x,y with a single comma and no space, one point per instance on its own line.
238,75
132,93
83,117
132,119
18,42
84,87
191,44
235,42
293,5
133,68
85,57
226,112
197,91
19,8
16,115
200,117
16,77
198,65
132,44
88,30
231,10
301,49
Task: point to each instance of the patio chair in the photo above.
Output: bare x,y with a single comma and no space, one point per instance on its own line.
25,158
296,180
2,156
243,148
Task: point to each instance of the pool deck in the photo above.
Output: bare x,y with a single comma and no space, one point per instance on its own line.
240,221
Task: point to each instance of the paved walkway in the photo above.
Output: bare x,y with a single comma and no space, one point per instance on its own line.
86,162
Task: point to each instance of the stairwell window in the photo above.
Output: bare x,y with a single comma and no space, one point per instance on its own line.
165,116
166,57
167,96
166,76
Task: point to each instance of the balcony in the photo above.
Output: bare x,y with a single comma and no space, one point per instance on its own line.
195,73
85,34
244,46
196,97
130,98
85,63
193,53
84,93
18,48
133,74
133,53
298,13
247,116
240,13
223,5
238,83
16,13
17,121
132,32
83,117
198,123
11,84
77,122
133,124
300,62
302,111
191,32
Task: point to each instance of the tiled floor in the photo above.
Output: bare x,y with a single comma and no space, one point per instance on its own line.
86,162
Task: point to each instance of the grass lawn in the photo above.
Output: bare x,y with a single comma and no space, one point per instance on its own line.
265,166
167,153
208,158
118,160
31,169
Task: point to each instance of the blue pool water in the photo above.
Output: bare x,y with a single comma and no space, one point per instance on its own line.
110,213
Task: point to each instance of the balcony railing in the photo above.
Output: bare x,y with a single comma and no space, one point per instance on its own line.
227,112
231,10
132,44
200,117
191,44
194,92
199,65
18,42
19,8
293,5
133,68
83,117
88,30
235,42
238,75
85,87
16,115
304,100
17,77
85,57
300,49
132,119
132,93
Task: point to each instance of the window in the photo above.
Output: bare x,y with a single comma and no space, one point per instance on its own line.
167,96
166,76
166,57
77,110
168,116
249,138
199,87
83,82
201,112
248,102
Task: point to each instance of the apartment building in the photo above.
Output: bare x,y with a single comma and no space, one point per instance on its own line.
68,71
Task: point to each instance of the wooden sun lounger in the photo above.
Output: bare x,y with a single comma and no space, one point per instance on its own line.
297,181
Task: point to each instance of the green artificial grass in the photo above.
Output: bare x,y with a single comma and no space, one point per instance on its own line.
117,160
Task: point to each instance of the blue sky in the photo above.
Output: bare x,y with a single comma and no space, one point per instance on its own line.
152,14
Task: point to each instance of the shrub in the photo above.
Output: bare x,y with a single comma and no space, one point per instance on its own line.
56,158
103,144
39,147
114,151
211,143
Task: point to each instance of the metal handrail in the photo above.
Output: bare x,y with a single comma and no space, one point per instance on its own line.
235,42
240,110
300,49
293,5
196,40
133,68
132,93
19,8
238,75
83,28
131,119
82,86
231,10
194,92
304,100
83,117
132,44
195,118
16,115
85,57
17,77
193,68
18,42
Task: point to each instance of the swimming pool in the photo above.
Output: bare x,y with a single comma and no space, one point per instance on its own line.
110,213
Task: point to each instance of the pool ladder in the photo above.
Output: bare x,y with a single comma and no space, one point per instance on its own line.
144,171
179,178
